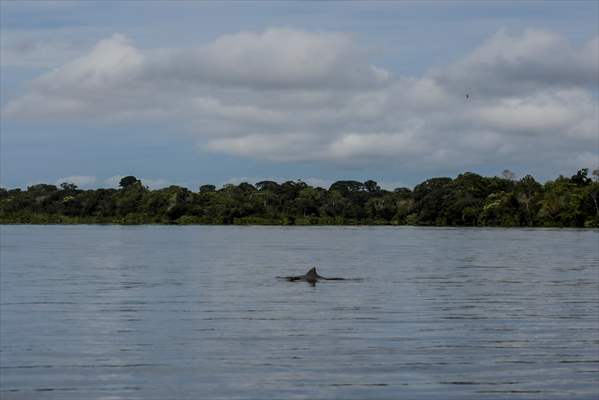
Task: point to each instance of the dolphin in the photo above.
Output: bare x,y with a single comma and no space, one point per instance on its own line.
311,277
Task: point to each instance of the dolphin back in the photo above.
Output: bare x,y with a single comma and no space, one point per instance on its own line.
311,276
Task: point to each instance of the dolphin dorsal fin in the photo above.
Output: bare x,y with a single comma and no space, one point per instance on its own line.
312,272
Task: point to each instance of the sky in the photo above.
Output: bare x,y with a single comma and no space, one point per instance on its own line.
191,93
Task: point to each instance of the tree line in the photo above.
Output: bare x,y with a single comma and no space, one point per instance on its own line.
468,200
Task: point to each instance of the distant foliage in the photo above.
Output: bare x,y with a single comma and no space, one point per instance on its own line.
467,200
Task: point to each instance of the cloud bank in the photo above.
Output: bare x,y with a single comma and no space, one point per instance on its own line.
296,96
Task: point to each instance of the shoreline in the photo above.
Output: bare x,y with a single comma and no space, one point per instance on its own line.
302,225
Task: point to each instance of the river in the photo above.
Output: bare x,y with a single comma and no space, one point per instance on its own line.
196,312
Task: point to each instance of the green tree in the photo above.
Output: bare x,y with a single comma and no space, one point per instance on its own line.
308,201
528,192
592,194
128,181
345,187
371,186
561,204
500,209
267,185
68,187
469,199
429,197
207,188
581,178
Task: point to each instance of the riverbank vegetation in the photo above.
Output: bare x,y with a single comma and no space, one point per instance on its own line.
467,200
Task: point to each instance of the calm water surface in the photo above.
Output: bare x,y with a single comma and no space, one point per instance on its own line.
164,312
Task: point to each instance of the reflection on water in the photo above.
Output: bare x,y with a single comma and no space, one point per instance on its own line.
160,312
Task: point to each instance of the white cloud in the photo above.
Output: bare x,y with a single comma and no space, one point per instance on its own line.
512,64
292,95
273,59
84,87
112,62
552,110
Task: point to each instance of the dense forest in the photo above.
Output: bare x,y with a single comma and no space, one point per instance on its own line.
467,200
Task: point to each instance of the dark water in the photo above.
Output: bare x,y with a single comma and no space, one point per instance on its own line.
162,312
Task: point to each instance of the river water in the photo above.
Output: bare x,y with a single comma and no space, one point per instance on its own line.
196,312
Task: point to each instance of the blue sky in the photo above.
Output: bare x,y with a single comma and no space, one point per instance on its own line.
198,92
